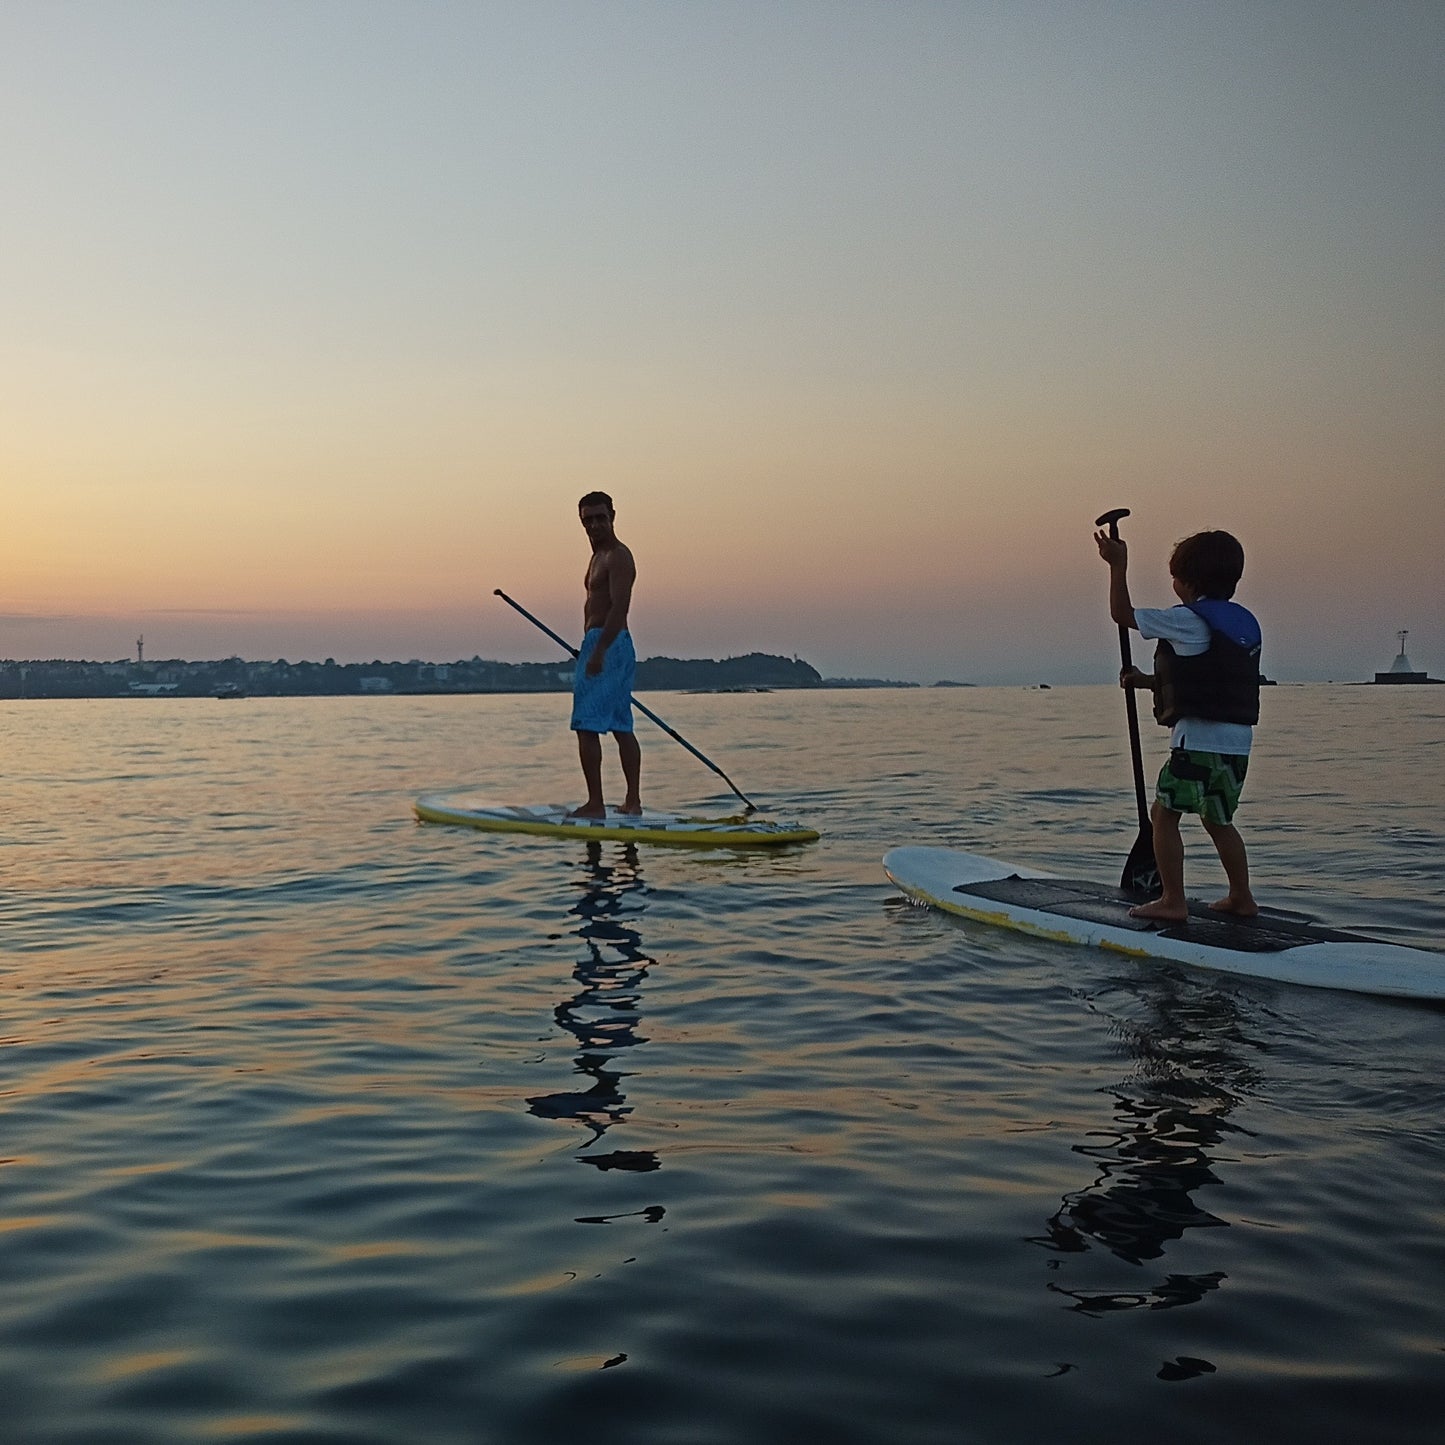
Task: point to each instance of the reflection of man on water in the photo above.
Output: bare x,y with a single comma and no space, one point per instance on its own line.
604,1013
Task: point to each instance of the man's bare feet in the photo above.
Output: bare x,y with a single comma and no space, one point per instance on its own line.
1239,907
1157,912
632,810
589,810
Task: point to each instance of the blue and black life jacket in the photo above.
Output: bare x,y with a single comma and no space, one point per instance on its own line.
1220,685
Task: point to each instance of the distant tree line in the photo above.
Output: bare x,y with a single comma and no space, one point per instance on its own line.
235,677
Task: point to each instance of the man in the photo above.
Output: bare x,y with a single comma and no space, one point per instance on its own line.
602,683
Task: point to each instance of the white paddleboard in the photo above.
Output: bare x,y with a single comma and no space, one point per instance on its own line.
551,820
1069,911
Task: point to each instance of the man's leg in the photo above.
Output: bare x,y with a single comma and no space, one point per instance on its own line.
1171,905
589,751
630,756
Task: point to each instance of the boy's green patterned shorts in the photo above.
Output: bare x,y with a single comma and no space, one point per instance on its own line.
1205,783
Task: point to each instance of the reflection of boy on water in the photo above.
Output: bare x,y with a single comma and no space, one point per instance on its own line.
602,682
1192,1047
1206,688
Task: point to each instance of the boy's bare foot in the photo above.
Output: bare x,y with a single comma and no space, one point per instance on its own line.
589,810
632,810
1239,907
1158,913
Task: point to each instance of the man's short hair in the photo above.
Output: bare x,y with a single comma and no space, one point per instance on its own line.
597,499
1210,562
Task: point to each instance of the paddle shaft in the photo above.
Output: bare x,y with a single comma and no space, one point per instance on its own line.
1141,868
645,711
1131,707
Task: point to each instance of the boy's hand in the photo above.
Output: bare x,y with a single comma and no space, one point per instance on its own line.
1114,550
1132,677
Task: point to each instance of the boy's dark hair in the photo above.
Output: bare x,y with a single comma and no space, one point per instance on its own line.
597,499
1210,562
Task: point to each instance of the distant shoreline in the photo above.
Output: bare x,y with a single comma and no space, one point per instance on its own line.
234,677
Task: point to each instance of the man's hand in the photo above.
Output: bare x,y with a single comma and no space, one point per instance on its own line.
1132,677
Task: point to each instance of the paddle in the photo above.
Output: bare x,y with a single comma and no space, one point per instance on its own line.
645,711
1141,872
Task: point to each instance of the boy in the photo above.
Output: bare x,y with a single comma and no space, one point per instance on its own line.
1206,689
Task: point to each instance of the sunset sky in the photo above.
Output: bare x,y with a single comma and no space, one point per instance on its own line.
318,318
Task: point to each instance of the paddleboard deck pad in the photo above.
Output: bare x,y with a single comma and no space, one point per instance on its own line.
1271,946
551,820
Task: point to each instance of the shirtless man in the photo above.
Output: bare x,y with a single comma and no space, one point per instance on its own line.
602,683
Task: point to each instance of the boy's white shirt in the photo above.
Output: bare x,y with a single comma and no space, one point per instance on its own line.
1188,634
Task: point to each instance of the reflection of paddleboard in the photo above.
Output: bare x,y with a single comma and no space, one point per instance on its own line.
1269,946
551,820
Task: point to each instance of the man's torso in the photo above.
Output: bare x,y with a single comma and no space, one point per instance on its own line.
598,583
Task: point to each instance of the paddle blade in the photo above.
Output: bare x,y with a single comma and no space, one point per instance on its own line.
1141,872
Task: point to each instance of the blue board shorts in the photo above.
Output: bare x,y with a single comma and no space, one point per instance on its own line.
603,704
1205,783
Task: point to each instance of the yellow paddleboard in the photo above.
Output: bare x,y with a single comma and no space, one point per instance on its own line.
550,820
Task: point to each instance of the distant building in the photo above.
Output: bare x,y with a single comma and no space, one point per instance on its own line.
1400,669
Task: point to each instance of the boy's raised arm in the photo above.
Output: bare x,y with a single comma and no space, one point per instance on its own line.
1115,551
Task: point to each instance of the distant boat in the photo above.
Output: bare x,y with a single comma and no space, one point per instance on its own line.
228,689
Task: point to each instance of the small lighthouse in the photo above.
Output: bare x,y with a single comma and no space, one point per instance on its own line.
1400,669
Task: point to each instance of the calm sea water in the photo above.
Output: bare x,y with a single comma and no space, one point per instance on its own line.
317,1124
